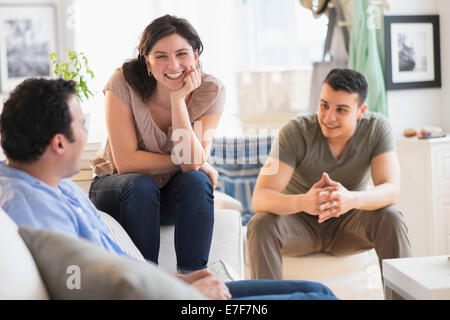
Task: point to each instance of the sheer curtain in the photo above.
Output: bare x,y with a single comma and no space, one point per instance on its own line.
366,52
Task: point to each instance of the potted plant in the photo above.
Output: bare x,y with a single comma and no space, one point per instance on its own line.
75,67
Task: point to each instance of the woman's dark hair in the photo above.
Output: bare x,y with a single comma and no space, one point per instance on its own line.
135,71
348,80
35,111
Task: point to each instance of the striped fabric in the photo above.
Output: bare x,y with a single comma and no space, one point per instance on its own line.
238,161
120,236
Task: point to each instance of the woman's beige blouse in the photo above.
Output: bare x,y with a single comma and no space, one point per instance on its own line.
209,98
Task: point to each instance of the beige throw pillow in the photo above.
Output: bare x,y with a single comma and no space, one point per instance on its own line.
73,268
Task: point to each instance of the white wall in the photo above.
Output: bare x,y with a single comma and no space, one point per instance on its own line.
444,12
419,107
107,44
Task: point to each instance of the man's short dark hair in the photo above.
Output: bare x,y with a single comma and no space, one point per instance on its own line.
348,80
35,111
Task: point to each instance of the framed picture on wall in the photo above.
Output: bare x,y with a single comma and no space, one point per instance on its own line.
412,52
27,37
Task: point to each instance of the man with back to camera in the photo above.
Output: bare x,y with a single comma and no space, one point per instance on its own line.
43,135
318,199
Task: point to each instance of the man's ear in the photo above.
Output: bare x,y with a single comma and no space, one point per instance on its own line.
58,143
361,110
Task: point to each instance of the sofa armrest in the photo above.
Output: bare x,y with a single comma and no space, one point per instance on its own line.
224,201
228,241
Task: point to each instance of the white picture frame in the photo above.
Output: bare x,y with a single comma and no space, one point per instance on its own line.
418,37
28,35
412,52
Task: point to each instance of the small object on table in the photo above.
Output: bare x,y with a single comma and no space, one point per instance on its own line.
431,132
409,133
424,133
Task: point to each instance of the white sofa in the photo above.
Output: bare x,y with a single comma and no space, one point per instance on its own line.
20,278
19,275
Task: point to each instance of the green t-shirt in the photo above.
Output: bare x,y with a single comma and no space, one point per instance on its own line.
301,145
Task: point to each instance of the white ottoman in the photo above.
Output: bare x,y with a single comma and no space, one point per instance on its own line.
351,277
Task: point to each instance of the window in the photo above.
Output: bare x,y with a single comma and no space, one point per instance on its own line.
279,42
281,35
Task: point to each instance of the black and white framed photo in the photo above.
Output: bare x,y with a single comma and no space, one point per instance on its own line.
412,52
27,37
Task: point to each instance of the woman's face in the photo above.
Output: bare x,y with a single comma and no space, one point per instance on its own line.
170,59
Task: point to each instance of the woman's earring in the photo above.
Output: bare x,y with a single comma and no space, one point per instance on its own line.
149,74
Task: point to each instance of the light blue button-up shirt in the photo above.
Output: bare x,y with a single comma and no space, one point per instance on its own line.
31,202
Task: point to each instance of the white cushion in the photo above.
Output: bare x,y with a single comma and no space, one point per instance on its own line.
354,277
228,240
226,245
19,276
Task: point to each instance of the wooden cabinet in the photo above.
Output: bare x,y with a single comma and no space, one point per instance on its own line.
85,176
83,179
425,193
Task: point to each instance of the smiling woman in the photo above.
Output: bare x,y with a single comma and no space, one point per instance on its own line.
145,176
156,41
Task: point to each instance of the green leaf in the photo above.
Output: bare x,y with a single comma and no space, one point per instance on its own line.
75,68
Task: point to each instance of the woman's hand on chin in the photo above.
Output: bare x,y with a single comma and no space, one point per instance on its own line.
192,81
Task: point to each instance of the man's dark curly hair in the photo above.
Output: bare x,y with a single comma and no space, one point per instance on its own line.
35,111
348,80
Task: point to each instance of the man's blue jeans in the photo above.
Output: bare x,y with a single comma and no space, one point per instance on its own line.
279,290
140,206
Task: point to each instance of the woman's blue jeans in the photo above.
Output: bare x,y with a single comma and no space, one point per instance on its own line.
279,290
140,206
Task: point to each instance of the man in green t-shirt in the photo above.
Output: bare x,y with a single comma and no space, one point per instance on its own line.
319,199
